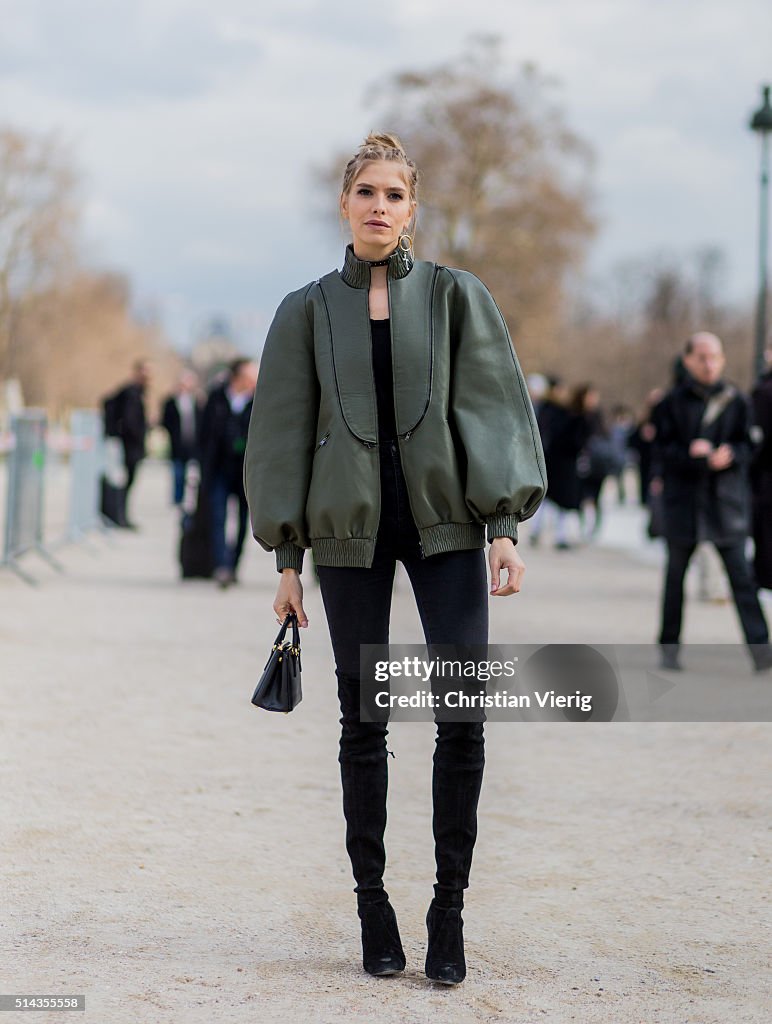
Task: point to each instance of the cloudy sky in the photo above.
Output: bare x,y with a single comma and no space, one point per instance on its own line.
194,125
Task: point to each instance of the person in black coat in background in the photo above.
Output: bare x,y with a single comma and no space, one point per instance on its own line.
599,458
761,477
125,419
642,442
703,447
181,418
224,429
564,427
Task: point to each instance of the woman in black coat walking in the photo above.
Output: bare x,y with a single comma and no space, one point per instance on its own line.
642,443
598,458
564,428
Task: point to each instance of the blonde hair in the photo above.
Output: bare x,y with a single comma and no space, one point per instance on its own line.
381,146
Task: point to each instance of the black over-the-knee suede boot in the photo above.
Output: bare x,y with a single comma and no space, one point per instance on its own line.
364,779
459,761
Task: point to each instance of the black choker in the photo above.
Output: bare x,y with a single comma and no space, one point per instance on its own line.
378,263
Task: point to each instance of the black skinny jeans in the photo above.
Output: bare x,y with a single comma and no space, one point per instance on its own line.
451,591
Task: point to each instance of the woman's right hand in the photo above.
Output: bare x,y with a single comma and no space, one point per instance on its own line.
289,597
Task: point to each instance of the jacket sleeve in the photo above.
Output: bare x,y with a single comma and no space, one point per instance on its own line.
670,452
740,439
280,442
506,478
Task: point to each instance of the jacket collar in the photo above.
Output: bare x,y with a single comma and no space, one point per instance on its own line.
356,272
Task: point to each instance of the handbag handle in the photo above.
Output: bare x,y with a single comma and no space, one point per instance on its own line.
291,617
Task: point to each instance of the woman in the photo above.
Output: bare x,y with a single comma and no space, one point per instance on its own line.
391,422
642,442
598,459
563,432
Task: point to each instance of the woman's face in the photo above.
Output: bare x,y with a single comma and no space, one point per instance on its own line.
378,208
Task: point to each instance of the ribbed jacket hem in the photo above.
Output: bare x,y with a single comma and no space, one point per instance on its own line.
289,556
451,537
356,552
502,526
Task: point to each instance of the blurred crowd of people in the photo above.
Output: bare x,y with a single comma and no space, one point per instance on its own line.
703,454
583,446
207,433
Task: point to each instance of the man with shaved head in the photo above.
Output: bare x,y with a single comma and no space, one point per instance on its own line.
703,449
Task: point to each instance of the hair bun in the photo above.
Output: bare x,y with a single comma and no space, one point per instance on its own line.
385,139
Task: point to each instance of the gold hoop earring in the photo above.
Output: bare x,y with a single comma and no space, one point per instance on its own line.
405,245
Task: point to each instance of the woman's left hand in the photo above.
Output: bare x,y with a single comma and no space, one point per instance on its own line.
503,555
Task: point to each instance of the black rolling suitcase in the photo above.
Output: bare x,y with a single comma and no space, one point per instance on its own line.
113,503
195,553
112,498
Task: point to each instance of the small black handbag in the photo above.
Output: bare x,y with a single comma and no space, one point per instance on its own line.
279,686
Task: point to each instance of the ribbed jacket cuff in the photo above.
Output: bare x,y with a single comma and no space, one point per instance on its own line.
502,526
289,556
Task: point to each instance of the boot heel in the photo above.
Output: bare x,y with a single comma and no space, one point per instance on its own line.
445,960
382,951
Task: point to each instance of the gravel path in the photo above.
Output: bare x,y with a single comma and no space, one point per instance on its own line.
177,855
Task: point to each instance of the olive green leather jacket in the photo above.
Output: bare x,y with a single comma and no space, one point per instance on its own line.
469,444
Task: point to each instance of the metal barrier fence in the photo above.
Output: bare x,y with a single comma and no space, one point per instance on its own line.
86,462
26,450
24,500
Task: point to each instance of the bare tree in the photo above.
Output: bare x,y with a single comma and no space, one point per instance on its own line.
79,341
66,332
37,227
505,189
627,341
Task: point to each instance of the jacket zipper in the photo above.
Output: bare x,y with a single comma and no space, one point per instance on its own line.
323,441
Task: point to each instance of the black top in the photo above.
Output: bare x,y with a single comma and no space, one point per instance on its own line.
384,383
